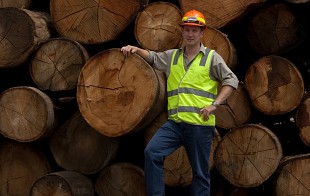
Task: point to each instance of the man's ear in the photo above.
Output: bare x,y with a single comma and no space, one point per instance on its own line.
202,31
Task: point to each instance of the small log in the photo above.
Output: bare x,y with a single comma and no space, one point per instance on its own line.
26,114
77,146
121,179
157,26
63,183
302,119
118,95
274,84
93,22
15,3
275,29
177,169
293,176
248,155
57,63
236,111
219,13
21,165
22,31
215,39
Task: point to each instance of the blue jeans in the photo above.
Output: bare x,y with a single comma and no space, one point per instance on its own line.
197,141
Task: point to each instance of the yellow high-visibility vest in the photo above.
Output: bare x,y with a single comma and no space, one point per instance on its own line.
189,91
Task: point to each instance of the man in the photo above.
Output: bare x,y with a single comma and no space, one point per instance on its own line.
193,73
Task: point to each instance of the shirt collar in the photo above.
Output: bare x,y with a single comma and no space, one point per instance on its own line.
202,48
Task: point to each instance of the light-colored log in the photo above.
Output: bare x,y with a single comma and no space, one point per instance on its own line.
157,26
118,95
93,22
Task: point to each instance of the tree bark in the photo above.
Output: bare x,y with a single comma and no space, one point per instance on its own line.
274,84
57,63
21,32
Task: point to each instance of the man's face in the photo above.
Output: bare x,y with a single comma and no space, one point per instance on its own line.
192,35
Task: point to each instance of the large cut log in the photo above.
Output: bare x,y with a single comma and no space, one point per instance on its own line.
236,111
302,118
215,39
77,146
21,32
26,114
118,95
21,165
274,84
15,3
121,179
57,63
93,22
219,13
293,176
157,26
63,183
177,169
248,155
276,29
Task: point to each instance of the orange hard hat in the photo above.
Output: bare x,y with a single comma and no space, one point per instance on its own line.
193,18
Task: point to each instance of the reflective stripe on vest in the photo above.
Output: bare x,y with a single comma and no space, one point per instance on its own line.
189,91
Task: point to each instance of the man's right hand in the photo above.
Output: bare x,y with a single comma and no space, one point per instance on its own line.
129,49
133,49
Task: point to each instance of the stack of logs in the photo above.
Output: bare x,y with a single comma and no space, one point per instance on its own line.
76,114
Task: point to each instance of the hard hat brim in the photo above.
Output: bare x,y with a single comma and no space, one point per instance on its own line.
191,24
